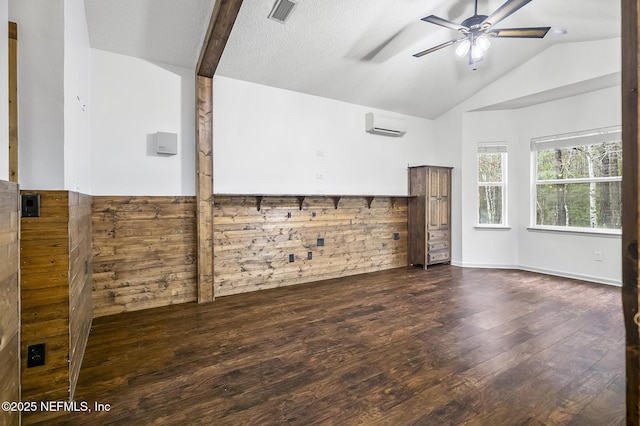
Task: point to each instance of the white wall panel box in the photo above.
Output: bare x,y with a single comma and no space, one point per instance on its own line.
166,143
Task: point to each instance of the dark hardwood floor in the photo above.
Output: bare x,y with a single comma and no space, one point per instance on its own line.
446,346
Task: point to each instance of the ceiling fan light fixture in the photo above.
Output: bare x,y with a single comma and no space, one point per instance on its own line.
483,43
476,28
478,48
463,48
477,54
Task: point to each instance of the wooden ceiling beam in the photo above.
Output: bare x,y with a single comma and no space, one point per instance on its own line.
222,20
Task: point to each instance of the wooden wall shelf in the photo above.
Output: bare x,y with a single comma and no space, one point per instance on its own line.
336,198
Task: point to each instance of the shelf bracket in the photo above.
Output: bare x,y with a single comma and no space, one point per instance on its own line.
369,201
300,201
336,200
258,202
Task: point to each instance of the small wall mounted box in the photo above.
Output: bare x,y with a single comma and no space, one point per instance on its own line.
30,205
166,143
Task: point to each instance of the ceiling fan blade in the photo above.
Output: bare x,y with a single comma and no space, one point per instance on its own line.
445,23
438,47
533,32
509,7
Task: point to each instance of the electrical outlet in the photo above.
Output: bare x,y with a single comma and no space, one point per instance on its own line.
320,242
291,258
36,355
313,214
598,257
396,236
309,255
30,205
289,215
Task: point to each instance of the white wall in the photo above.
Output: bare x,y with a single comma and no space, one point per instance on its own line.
76,98
40,88
561,253
489,247
64,143
266,140
446,149
131,100
4,90
459,131
562,65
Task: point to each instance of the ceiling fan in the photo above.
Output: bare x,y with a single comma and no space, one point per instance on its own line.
475,29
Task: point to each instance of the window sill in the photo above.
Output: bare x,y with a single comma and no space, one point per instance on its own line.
582,231
492,227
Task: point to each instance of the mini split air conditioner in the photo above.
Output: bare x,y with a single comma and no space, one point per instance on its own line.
383,125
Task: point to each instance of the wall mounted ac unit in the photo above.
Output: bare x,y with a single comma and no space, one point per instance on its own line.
384,125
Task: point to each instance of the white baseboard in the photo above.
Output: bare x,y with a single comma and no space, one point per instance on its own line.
484,265
564,274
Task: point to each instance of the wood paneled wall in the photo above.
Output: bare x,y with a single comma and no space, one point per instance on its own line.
9,302
55,292
80,282
44,263
252,248
144,252
13,102
144,247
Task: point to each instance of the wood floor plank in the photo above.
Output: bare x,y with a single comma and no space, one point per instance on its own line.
397,347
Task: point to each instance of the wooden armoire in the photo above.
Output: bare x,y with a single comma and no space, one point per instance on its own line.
429,215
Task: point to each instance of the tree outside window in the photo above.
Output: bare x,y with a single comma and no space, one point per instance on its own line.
578,180
492,163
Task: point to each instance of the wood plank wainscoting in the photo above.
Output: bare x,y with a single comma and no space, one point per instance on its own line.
55,276
9,306
144,252
252,247
80,279
144,247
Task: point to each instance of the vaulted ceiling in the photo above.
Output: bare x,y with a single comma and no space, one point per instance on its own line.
357,51
167,31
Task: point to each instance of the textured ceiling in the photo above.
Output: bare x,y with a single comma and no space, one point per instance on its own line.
360,51
168,31
357,51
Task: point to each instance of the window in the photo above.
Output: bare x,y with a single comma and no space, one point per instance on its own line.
578,179
492,184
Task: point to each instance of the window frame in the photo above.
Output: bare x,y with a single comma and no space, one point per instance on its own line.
493,148
569,140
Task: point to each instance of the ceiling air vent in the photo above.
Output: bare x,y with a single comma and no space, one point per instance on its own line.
282,10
